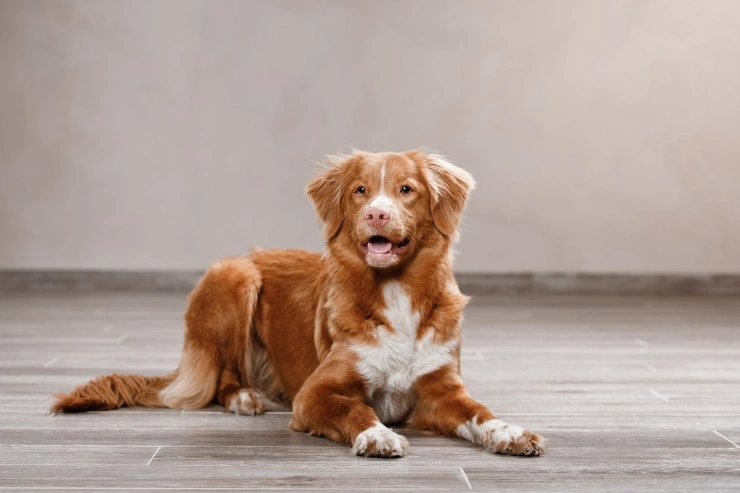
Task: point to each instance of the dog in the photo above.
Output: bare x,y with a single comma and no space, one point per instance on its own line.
360,338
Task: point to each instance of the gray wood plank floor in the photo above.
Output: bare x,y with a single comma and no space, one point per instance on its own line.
634,394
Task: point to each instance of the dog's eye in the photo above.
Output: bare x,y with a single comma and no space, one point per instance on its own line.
405,189
360,190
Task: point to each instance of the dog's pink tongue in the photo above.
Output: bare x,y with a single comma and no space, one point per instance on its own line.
379,246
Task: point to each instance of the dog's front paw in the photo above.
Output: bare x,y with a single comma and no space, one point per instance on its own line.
508,439
379,441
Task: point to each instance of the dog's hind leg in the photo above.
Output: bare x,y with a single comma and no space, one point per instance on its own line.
218,321
236,398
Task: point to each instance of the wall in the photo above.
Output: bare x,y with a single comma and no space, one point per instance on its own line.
165,134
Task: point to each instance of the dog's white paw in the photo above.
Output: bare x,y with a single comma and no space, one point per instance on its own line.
505,439
379,441
246,401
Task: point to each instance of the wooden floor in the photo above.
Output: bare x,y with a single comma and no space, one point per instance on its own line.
634,394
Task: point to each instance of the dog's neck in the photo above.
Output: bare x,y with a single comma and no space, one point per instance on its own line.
424,275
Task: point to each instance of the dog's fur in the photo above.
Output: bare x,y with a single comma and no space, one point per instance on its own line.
365,336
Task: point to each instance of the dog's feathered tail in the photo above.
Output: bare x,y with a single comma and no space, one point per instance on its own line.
191,386
112,392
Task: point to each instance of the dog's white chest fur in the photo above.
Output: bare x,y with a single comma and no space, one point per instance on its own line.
391,367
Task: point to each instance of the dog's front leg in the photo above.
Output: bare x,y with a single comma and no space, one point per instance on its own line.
331,403
443,405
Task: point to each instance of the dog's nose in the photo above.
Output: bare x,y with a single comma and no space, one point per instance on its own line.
376,218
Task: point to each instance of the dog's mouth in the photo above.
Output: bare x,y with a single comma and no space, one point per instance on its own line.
382,252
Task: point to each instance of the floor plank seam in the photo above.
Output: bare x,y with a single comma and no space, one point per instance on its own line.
659,396
50,362
722,436
153,456
465,477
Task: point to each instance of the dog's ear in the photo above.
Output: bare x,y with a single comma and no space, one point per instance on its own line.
449,187
328,191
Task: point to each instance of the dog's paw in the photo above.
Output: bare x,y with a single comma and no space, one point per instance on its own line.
379,441
508,439
246,401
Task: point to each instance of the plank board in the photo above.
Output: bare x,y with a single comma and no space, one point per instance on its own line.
633,393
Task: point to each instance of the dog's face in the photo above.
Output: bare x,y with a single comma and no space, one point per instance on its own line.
384,206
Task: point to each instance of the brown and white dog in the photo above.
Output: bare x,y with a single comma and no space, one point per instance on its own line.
366,335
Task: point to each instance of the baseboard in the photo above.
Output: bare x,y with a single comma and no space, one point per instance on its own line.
97,280
601,284
470,283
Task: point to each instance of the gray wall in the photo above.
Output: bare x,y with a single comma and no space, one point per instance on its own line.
605,135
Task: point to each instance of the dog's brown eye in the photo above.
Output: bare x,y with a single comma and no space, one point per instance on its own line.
405,189
360,190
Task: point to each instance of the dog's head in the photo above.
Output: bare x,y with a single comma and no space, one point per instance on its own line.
386,206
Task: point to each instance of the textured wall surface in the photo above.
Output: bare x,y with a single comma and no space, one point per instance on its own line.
164,134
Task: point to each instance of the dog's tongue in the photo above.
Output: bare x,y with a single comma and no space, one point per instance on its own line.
379,245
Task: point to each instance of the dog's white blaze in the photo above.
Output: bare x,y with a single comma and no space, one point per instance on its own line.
382,179
490,432
382,201
391,367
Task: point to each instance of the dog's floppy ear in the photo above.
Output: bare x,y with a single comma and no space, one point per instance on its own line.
449,187
328,191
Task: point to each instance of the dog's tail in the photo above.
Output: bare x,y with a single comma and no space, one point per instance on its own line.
112,392
218,321
191,386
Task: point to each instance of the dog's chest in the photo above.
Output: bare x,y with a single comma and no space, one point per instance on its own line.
399,358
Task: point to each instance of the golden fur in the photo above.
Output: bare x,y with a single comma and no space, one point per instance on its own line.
371,328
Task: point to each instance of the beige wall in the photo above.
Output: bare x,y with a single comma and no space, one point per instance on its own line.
605,135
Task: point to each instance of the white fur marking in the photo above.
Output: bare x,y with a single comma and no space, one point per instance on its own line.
392,366
382,179
476,433
463,431
494,432
243,404
192,388
398,309
385,442
382,201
